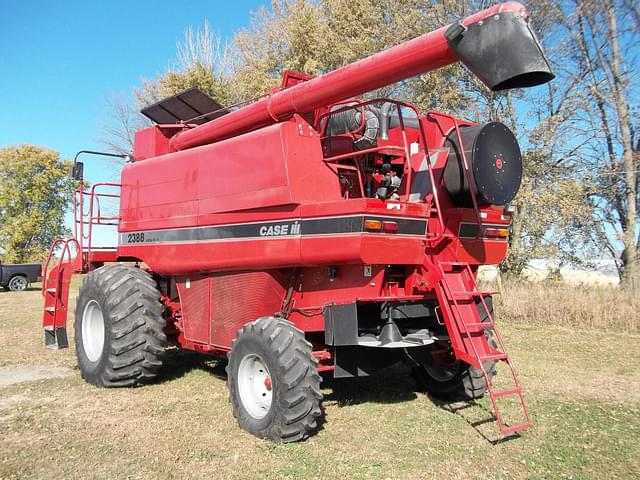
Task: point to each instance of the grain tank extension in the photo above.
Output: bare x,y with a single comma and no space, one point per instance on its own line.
309,233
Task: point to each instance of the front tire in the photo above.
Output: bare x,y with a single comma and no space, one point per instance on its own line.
18,284
119,325
274,387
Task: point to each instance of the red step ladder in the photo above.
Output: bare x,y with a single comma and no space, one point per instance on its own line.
459,299
55,289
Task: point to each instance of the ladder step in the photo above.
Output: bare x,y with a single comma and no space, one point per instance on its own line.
506,393
515,429
473,293
493,358
51,290
466,295
481,324
461,295
50,309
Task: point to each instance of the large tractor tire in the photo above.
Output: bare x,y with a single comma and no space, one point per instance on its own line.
274,386
119,325
458,380
18,283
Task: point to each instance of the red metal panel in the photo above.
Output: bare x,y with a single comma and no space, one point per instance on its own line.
153,141
482,251
276,168
175,259
243,172
350,282
240,298
158,193
369,248
195,299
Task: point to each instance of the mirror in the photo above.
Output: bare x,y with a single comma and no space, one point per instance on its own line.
77,171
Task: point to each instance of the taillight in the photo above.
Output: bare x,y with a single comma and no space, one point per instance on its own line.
380,226
390,227
373,225
496,232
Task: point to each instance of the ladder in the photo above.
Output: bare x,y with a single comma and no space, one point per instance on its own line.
460,302
55,289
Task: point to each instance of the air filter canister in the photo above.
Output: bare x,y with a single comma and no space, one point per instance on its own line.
495,161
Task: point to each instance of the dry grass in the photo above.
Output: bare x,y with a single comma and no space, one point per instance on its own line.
582,391
560,304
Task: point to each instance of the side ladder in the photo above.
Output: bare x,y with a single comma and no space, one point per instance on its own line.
55,289
459,298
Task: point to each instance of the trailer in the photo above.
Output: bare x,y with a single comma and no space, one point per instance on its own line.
312,232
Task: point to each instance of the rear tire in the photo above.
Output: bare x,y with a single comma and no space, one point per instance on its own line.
458,380
18,283
119,325
274,387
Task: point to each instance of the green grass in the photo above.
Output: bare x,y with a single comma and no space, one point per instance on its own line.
583,391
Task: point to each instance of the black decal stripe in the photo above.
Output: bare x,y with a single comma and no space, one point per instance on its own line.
274,229
324,226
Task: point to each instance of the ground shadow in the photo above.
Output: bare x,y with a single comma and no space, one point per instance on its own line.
391,385
180,362
460,409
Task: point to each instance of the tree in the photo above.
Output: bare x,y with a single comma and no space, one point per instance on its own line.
600,57
317,36
34,193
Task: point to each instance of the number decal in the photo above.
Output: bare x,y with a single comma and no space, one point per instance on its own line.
135,237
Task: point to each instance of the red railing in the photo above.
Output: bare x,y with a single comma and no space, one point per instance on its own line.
470,179
85,218
405,149
66,251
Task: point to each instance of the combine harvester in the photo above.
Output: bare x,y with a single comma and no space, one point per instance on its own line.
309,232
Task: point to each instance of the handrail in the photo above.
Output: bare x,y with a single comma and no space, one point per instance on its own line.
351,104
359,153
470,180
404,149
95,199
65,250
85,220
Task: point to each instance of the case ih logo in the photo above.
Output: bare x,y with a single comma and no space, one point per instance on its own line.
279,230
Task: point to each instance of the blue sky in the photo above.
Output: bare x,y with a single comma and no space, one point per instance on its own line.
59,60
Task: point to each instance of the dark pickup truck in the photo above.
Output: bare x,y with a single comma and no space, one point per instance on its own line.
18,277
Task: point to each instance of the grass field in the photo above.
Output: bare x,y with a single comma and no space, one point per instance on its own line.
583,389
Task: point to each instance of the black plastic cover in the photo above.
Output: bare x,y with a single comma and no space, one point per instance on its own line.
494,157
185,107
502,51
341,324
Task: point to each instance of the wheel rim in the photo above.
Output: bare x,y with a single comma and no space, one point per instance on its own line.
18,283
255,386
92,330
444,373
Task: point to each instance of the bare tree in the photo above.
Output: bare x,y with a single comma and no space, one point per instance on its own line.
202,60
601,58
124,120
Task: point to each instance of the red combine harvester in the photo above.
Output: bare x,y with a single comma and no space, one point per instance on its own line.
310,231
